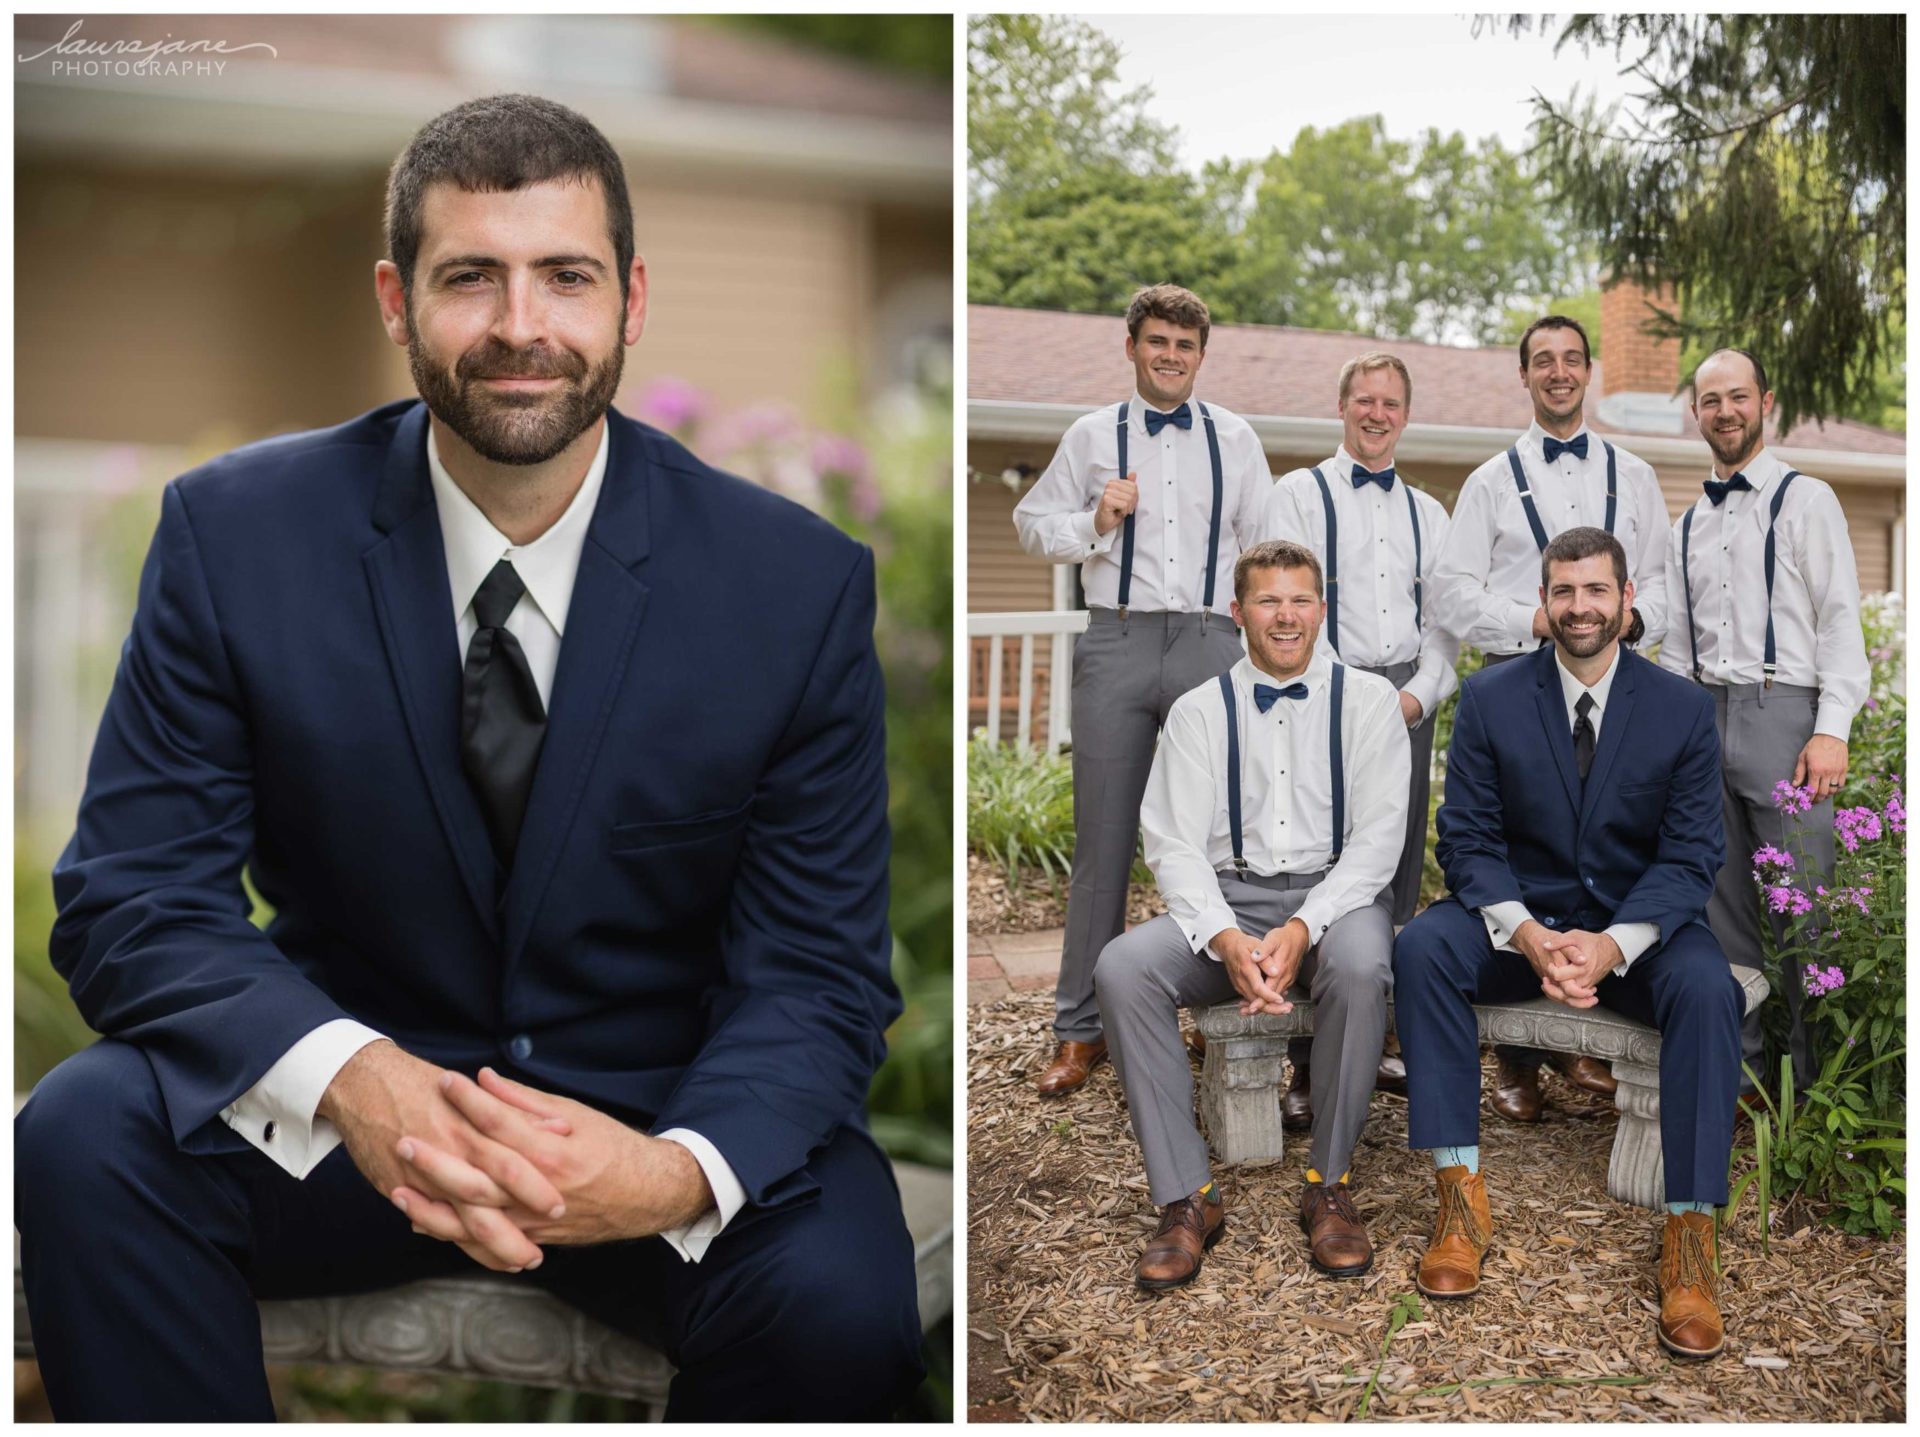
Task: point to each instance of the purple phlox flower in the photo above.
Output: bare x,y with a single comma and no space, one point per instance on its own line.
1855,824
1790,800
1873,705
1782,899
1897,813
759,426
1821,982
670,404
837,455
1767,856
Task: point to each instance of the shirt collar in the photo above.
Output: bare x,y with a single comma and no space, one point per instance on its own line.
1137,408
1538,437
1571,688
1344,464
1319,670
547,566
1762,470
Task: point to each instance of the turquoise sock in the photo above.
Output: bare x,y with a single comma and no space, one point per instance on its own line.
1689,1207
1468,1157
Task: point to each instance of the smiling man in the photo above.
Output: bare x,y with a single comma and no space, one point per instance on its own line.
1559,475
1273,817
1153,498
1580,835
1769,621
537,799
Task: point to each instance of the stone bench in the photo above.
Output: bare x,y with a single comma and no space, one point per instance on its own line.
1244,1069
501,1329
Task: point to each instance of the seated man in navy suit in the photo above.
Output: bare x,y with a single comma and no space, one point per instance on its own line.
1580,837
559,756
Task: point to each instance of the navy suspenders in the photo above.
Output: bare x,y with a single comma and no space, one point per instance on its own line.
1767,657
1336,763
1213,524
1333,558
1526,494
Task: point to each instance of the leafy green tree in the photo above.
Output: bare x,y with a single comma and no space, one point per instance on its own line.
915,44
1765,176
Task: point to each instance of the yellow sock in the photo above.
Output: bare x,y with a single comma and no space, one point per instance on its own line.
1207,1192
1313,1175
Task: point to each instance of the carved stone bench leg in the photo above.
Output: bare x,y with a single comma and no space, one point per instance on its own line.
1240,1087
1636,1172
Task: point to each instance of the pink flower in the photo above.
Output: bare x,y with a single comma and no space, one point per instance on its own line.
1819,983
1782,899
1790,800
670,404
1896,813
1767,856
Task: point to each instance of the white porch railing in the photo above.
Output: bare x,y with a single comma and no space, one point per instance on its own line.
1057,628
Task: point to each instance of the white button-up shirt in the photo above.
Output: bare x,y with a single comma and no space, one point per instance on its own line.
279,1115
1503,920
1487,582
1816,594
1171,520
1377,625
1286,796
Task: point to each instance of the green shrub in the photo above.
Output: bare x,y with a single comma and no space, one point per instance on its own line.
1020,809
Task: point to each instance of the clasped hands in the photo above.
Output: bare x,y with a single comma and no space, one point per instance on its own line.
1262,969
498,1168
1570,964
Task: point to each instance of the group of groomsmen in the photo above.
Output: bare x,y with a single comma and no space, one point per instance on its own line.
1282,787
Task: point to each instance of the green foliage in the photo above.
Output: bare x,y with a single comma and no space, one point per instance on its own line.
1765,176
915,44
1020,809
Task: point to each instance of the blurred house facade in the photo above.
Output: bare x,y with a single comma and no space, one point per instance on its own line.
1031,373
195,247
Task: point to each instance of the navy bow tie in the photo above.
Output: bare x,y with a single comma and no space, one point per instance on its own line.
1363,477
1181,418
1718,489
1265,694
1577,446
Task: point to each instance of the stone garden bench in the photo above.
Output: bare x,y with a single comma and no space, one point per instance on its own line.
1245,1065
494,1327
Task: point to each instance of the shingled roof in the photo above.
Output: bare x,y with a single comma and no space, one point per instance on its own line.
1044,357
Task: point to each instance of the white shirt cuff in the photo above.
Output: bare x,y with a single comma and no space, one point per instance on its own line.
1201,933
278,1113
1834,719
1632,939
728,1196
1503,920
1091,540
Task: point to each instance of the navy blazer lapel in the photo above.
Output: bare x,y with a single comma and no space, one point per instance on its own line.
1613,731
603,620
1553,718
407,572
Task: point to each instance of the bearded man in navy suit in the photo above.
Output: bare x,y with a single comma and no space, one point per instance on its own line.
559,756
1580,837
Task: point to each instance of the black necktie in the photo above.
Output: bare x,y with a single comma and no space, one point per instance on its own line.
1717,490
1554,448
1364,477
1181,418
1583,735
1265,694
501,717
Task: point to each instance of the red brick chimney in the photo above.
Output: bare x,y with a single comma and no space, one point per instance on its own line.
1639,372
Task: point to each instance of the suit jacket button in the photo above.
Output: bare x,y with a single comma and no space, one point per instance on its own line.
521,1047
1589,883
1548,922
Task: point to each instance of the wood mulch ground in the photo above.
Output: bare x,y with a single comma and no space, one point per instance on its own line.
1033,904
1562,1329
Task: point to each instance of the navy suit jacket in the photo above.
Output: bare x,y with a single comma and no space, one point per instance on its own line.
1640,842
694,933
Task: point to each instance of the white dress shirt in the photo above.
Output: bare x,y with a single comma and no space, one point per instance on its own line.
1286,796
1170,522
1377,626
279,1114
1487,582
1816,594
1503,920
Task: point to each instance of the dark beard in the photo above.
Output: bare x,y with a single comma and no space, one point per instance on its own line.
1606,634
516,428
1737,454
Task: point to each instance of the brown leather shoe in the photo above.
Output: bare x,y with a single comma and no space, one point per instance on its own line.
1296,1107
1336,1238
1590,1075
1072,1063
1690,1323
1516,1092
1450,1266
1188,1228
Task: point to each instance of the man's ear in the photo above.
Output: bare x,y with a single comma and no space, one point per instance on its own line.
392,298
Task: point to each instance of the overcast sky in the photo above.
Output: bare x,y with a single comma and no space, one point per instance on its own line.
1243,86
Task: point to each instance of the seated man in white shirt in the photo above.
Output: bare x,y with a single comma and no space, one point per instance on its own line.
1274,817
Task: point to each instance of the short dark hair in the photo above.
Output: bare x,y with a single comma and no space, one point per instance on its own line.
1759,369
1555,321
502,142
1276,554
1585,542
1172,304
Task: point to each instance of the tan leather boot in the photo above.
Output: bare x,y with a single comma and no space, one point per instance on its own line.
1188,1230
1451,1265
1690,1323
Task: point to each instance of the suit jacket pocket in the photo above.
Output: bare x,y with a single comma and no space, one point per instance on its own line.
673,832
